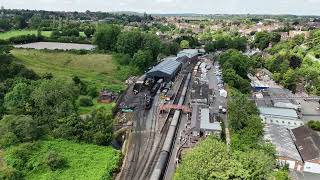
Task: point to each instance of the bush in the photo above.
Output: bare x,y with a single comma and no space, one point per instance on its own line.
85,101
9,173
55,161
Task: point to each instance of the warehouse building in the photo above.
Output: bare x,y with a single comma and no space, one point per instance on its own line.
286,151
280,116
192,54
308,143
167,69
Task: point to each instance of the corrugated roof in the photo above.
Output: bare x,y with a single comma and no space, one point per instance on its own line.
205,121
281,138
168,66
308,143
290,113
190,53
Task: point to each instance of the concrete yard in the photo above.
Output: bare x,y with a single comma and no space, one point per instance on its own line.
55,45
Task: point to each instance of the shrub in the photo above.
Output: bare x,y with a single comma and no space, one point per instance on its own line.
55,161
85,101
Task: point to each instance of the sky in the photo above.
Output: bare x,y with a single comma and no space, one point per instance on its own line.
297,7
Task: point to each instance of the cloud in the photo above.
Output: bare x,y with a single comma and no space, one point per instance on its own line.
174,6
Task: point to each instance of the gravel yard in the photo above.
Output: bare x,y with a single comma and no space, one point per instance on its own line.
55,45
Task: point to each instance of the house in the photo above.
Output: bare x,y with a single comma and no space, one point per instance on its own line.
106,96
308,143
286,151
280,116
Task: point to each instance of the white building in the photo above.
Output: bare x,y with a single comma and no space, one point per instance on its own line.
208,127
280,116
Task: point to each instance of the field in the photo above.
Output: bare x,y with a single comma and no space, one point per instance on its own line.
97,70
84,161
14,33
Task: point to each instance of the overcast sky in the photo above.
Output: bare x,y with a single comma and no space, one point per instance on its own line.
298,7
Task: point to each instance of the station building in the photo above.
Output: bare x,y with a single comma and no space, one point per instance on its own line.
166,69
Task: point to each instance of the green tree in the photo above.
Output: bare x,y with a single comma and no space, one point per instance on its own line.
35,21
89,31
142,60
151,43
130,42
184,44
20,129
18,100
106,37
54,99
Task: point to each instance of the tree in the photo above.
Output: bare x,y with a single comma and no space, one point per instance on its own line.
142,60
211,160
53,99
89,31
130,42
35,21
18,100
295,61
20,129
151,43
106,37
99,128
184,44
210,47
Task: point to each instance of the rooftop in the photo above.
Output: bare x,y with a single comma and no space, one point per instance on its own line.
168,66
281,138
205,121
308,143
273,111
190,53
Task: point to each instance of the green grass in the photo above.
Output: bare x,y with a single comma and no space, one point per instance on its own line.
84,161
14,33
96,105
98,70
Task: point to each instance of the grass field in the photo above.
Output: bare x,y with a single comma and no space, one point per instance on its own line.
84,161
97,70
13,33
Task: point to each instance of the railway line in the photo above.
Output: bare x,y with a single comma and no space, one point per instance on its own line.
161,163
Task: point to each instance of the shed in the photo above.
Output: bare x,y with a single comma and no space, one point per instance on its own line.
167,69
190,53
206,126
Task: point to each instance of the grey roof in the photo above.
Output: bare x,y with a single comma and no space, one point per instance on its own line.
195,123
205,121
280,112
168,66
190,53
281,138
308,142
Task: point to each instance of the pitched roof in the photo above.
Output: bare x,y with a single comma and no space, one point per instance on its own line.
308,142
273,111
280,137
168,66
